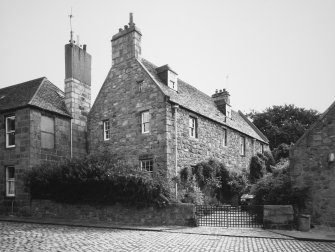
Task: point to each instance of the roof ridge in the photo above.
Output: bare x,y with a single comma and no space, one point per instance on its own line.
180,79
315,124
199,102
11,86
253,126
39,87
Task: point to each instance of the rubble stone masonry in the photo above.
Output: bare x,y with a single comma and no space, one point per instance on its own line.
121,100
209,142
310,167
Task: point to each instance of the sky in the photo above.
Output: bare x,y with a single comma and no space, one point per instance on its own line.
264,52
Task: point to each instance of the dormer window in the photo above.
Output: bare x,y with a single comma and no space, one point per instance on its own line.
168,76
172,84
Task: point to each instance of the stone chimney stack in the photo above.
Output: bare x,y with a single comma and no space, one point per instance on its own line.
78,94
126,44
222,101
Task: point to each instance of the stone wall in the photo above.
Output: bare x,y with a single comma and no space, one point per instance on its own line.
28,152
175,214
309,167
62,147
121,101
17,156
208,144
278,217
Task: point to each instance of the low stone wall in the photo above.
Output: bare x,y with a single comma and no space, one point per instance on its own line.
278,217
174,214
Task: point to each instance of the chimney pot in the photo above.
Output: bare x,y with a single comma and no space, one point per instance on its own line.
126,27
120,29
131,22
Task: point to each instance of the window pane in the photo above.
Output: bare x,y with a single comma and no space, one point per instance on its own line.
106,125
145,117
47,124
11,139
47,140
146,165
146,127
10,172
10,123
145,122
191,123
10,187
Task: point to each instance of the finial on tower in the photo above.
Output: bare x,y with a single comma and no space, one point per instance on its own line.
71,32
131,21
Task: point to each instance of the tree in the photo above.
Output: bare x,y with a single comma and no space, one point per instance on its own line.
284,124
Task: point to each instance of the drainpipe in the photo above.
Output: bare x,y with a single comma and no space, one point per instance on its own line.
175,107
71,138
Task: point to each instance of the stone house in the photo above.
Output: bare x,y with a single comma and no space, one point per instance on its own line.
144,114
312,165
149,117
39,122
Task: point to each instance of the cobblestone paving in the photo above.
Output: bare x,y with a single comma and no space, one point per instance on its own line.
36,237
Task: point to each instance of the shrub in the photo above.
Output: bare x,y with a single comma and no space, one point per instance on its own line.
216,183
282,151
97,179
269,161
257,168
193,193
275,189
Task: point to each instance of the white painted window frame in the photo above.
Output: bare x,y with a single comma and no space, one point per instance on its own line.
106,126
8,132
146,165
9,182
145,125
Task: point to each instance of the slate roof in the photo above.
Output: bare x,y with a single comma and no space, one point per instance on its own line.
194,100
318,121
39,93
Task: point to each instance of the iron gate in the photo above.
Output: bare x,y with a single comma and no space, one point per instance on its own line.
229,216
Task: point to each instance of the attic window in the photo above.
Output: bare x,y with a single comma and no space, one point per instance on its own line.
172,80
168,76
172,84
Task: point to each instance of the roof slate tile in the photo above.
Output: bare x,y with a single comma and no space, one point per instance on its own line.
192,99
40,93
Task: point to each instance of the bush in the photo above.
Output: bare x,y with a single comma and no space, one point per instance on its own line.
275,189
193,193
216,183
269,161
282,151
97,179
257,168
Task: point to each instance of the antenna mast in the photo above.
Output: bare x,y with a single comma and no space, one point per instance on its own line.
71,32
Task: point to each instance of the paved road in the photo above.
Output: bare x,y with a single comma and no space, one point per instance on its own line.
36,237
